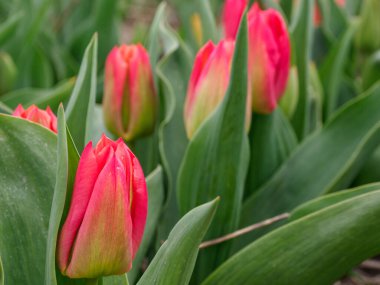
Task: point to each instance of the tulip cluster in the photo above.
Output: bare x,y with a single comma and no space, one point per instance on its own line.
269,65
106,219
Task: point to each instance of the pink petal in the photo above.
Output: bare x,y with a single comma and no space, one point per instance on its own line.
232,12
139,203
85,179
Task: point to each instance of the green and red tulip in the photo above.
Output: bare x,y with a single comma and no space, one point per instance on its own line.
269,57
45,118
208,84
130,101
107,215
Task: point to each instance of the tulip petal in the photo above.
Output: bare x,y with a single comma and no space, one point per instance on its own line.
139,203
18,111
53,120
85,179
114,82
232,12
140,95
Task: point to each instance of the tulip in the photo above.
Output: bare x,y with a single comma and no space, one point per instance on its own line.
44,118
208,84
107,214
129,103
232,12
269,58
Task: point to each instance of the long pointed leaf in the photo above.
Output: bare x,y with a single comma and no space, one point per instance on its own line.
81,106
174,262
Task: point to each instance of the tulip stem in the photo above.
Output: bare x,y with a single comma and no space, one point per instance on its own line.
244,231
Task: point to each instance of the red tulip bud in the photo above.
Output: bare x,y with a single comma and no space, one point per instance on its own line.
208,83
269,57
107,214
33,114
129,102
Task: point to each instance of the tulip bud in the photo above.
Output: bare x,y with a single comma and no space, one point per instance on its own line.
368,32
129,103
208,84
33,114
269,57
8,73
232,12
107,214
289,101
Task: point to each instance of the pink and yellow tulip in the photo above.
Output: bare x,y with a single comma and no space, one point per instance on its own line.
208,83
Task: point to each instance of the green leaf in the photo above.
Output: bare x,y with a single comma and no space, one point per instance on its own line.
334,19
371,72
369,172
174,262
27,177
1,273
40,97
156,197
331,199
106,18
287,7
331,71
216,160
81,105
67,162
8,28
172,73
327,161
34,69
317,249
272,139
302,34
